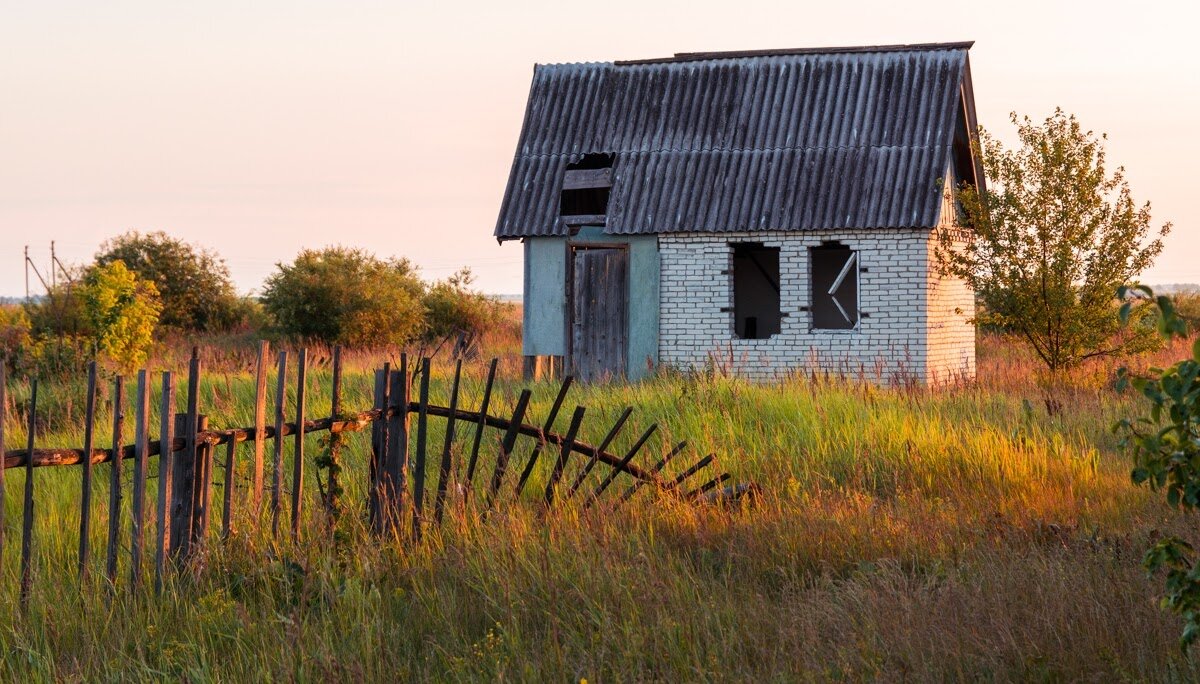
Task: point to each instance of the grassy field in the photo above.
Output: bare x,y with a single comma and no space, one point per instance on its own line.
967,533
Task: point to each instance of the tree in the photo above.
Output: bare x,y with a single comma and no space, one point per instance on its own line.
339,295
1166,450
122,310
197,293
1054,236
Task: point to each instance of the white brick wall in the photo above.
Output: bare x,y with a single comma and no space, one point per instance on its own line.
915,326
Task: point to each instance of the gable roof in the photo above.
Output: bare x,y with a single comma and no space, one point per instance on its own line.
768,140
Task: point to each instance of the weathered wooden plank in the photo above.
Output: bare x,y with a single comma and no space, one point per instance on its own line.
298,448
561,464
506,446
594,459
537,448
395,477
277,464
378,458
260,420
229,489
114,486
27,511
447,447
85,499
622,466
334,480
699,465
481,424
636,486
141,442
707,486
202,459
166,436
579,179
419,458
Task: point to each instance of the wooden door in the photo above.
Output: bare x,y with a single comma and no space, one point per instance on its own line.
599,306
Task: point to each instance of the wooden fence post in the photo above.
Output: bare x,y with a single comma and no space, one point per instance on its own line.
114,487
260,421
187,483
483,409
560,465
140,456
27,513
419,460
166,438
277,465
439,504
378,458
298,450
396,462
85,500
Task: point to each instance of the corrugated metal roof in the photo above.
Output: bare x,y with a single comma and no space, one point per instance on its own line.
773,140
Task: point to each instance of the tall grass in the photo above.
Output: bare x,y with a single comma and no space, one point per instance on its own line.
901,533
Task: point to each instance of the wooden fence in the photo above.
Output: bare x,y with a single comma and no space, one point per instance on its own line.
396,469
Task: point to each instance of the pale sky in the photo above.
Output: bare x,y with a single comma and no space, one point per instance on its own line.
261,128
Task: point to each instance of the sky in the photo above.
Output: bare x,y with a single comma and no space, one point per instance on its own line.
260,128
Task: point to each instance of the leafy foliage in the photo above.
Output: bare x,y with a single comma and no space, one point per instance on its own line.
122,311
1166,451
1054,235
453,308
194,284
345,296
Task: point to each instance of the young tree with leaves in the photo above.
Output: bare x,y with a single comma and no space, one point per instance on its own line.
1054,234
122,311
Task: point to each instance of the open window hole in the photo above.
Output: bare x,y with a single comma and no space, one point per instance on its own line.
586,187
756,314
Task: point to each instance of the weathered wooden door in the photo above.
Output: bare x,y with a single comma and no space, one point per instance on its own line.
599,306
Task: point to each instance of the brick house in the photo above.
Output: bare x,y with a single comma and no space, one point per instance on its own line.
763,212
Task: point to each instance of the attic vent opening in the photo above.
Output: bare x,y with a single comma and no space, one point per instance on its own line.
756,314
585,190
834,287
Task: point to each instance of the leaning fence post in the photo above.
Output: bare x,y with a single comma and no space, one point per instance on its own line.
506,447
444,471
483,413
561,464
27,517
549,425
186,489
612,434
85,500
114,488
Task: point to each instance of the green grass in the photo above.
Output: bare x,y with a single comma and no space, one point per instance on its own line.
963,533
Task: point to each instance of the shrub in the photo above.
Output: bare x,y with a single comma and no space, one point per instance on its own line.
453,309
193,283
340,295
122,310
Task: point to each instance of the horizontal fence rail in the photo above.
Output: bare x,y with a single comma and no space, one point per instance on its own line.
185,468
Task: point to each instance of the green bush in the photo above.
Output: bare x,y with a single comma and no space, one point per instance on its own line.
193,283
340,295
453,310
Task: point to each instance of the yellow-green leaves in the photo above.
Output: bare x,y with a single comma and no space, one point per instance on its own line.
122,311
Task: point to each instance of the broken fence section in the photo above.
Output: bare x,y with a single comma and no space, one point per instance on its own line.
395,474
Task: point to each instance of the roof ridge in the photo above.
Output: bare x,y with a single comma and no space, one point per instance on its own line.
781,52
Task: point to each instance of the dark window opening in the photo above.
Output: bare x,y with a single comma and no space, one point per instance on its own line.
585,190
756,314
834,287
